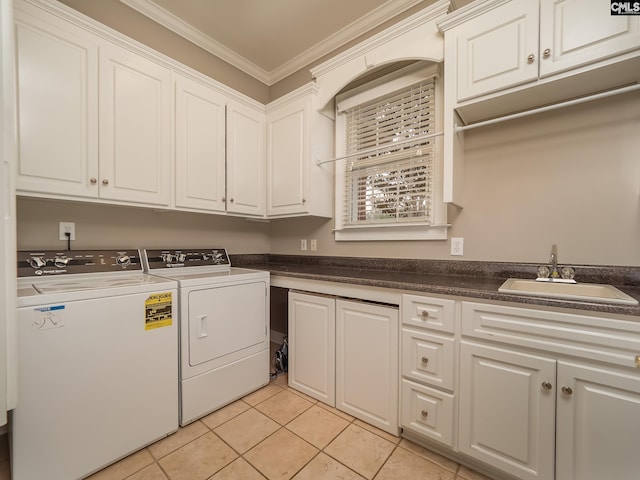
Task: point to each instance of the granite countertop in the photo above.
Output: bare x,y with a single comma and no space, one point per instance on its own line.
479,280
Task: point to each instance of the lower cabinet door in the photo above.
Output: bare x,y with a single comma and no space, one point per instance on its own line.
367,363
427,412
507,410
598,429
312,326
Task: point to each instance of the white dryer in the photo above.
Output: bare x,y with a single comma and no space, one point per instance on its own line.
97,362
224,327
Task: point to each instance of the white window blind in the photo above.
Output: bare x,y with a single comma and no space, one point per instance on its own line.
389,166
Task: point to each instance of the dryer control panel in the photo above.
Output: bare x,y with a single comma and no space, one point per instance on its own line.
185,258
54,262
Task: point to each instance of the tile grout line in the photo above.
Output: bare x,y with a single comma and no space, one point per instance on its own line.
313,402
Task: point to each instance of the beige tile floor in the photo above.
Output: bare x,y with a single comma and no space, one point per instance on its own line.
279,434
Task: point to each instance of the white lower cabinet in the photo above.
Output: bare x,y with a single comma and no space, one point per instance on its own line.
427,411
367,363
312,347
507,409
428,366
345,354
598,423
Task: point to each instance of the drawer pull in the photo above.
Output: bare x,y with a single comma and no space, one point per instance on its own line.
425,360
424,413
567,390
424,314
547,385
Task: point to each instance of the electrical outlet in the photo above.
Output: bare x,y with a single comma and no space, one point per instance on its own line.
457,245
67,227
303,244
314,245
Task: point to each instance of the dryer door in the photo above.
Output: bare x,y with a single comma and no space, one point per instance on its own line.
226,319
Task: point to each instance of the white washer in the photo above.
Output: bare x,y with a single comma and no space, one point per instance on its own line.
224,327
97,362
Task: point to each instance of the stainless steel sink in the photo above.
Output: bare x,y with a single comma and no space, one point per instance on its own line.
589,292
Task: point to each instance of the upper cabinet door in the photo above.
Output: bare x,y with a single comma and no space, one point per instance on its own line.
577,32
200,146
135,128
498,49
57,68
246,179
287,159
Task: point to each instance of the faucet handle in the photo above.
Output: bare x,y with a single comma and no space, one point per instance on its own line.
568,273
543,272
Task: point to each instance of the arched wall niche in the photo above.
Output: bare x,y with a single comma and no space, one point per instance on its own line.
417,38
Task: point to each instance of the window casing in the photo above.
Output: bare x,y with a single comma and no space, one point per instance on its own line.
388,181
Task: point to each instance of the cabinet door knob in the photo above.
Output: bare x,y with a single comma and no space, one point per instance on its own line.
93,180
231,200
547,385
531,58
567,390
424,413
304,200
105,181
424,314
425,360
546,53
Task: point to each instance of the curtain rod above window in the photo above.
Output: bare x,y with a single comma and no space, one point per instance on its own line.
555,106
381,147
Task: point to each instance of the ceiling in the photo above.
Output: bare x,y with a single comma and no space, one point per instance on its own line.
271,39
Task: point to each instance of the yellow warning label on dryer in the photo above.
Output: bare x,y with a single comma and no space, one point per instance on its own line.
157,311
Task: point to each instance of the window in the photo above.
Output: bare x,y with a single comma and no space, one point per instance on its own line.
387,182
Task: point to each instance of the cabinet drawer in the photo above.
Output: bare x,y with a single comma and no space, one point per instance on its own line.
595,337
427,412
425,312
428,358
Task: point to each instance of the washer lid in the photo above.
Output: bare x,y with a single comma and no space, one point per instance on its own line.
74,284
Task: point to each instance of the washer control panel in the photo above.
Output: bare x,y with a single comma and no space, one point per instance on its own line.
184,258
53,262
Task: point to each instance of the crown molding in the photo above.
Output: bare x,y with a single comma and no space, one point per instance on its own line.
376,17
429,14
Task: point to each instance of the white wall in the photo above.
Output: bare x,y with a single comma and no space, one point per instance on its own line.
99,226
569,177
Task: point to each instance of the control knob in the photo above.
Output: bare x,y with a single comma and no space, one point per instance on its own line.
181,257
61,261
123,260
37,262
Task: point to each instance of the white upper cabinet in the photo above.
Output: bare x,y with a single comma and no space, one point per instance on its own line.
298,137
492,46
246,180
200,146
135,128
103,119
219,151
57,68
103,138
493,49
578,32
